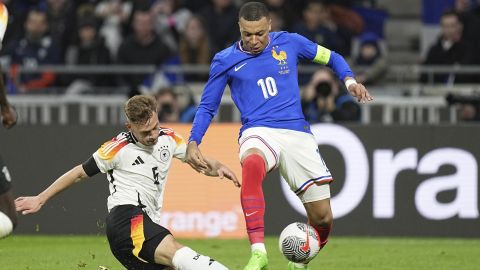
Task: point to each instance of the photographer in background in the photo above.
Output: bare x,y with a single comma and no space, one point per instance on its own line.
468,106
175,106
324,99
168,110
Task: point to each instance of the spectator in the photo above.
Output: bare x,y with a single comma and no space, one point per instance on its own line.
325,100
318,27
371,58
464,10
171,109
345,17
286,10
17,15
470,20
187,104
35,48
278,23
90,49
61,21
194,47
114,15
143,47
450,49
468,106
170,20
221,20
196,6
168,110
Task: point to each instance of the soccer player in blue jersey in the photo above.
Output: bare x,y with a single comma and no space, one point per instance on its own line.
261,70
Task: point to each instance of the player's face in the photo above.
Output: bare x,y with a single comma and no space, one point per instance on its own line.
147,133
255,34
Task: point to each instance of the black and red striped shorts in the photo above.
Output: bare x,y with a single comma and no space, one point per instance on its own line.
133,237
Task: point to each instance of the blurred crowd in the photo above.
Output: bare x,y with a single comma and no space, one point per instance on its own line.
458,43
189,32
151,32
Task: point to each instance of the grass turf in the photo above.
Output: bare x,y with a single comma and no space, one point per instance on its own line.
91,252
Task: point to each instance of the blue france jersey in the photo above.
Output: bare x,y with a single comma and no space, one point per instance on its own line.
264,86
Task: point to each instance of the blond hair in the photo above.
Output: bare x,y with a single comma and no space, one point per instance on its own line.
140,108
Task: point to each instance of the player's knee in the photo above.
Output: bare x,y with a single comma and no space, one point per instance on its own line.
166,250
321,218
254,162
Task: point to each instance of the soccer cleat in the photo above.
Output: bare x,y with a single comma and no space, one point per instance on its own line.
258,261
293,266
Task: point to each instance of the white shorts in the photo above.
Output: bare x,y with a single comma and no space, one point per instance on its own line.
297,156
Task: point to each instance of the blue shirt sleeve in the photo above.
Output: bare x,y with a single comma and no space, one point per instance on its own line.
309,50
211,97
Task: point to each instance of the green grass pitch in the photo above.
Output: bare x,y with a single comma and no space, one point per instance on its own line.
91,252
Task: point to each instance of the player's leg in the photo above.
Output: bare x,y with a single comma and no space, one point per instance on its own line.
320,215
8,215
307,175
170,252
257,155
139,243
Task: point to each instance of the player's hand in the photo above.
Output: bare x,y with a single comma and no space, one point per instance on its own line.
195,158
224,172
28,205
9,116
359,91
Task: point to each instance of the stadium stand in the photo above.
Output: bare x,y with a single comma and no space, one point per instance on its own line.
404,30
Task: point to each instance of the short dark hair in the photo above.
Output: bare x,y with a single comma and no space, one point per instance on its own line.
253,11
139,109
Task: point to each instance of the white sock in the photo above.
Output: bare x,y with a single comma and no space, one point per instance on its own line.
187,259
6,225
259,246
300,265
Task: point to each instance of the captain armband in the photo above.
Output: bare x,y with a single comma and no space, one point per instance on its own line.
323,55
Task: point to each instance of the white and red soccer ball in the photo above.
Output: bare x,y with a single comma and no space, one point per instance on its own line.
299,242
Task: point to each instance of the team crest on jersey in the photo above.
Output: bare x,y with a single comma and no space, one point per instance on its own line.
164,155
281,57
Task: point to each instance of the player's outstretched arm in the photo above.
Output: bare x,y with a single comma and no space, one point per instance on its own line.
216,168
32,204
357,90
195,158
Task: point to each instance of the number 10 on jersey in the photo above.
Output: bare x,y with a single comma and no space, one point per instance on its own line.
269,87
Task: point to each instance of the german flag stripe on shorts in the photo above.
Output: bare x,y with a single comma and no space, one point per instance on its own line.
136,234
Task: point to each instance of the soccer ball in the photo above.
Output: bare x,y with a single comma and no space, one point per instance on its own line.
299,242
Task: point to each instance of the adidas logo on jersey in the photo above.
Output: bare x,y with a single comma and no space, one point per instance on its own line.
138,161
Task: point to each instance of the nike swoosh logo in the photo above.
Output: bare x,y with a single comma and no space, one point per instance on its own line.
306,247
239,67
249,214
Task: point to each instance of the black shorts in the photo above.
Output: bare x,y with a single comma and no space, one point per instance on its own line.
133,237
5,184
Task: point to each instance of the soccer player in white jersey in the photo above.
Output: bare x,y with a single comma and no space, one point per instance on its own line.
261,71
8,216
137,163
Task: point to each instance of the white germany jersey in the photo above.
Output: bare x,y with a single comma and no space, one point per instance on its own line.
138,173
